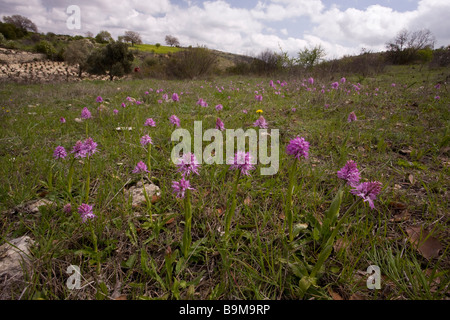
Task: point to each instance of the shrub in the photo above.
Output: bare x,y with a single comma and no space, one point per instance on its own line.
267,62
114,59
404,48
309,57
10,44
365,64
150,62
77,53
191,63
103,37
240,68
46,48
441,57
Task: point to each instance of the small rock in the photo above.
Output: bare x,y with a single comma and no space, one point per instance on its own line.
14,255
124,128
138,196
33,206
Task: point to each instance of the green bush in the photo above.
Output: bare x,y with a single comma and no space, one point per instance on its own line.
10,44
191,63
266,63
150,62
10,31
240,68
46,48
114,59
441,57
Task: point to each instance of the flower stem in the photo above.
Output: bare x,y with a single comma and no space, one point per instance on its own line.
230,212
326,251
147,199
88,179
70,178
288,206
50,179
187,237
149,162
94,240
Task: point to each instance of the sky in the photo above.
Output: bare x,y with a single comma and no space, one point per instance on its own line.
246,27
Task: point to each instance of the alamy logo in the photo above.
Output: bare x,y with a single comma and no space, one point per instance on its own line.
258,141
74,281
74,20
374,280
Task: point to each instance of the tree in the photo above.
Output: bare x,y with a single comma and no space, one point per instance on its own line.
89,34
405,46
309,57
10,31
133,37
172,41
114,59
103,37
21,22
77,53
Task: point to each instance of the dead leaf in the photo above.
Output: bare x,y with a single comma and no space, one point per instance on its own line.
397,205
248,202
427,245
155,198
334,295
411,179
170,221
340,244
403,216
357,296
121,297
43,194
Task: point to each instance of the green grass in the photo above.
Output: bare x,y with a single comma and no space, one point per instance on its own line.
144,261
153,48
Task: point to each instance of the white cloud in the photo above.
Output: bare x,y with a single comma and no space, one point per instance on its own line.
269,24
279,10
370,27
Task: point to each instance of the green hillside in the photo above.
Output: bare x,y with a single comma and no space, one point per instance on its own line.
156,49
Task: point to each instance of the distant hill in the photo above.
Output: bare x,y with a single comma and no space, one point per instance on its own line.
225,59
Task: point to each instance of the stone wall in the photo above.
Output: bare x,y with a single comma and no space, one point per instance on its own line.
26,67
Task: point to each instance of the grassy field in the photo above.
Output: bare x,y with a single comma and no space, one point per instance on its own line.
153,48
401,138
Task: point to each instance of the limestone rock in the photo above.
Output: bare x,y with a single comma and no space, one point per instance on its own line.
138,196
30,207
13,256
33,206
